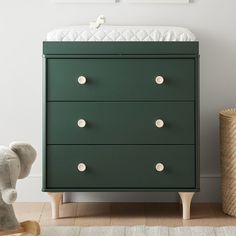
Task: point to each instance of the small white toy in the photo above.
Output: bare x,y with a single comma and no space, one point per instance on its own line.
96,24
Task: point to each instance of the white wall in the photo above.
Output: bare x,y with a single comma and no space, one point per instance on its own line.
23,26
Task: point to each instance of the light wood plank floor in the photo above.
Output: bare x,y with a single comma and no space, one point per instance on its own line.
105,214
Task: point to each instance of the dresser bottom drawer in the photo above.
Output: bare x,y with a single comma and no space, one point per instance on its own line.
120,167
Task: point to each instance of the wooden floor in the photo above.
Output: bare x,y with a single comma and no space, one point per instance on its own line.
105,214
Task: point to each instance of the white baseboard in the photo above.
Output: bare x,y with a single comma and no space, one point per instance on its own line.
29,190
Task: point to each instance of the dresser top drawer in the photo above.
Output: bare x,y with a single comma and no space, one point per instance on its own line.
120,123
120,79
120,166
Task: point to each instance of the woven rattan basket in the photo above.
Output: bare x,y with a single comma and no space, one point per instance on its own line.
228,159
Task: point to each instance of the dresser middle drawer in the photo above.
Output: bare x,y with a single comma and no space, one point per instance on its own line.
120,123
116,79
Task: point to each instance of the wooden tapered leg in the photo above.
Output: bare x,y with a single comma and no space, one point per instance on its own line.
186,198
56,200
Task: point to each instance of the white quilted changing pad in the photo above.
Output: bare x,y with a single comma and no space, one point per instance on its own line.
121,33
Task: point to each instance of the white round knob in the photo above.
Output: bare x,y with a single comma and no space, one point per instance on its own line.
81,123
159,167
81,167
159,123
82,79
159,79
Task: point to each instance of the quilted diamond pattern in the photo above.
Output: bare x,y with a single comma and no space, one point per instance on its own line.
121,33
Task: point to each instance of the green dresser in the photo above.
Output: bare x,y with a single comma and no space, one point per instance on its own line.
121,116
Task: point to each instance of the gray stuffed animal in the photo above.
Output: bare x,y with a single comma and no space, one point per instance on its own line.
15,163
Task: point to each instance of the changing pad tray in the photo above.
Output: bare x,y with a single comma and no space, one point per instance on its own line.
121,33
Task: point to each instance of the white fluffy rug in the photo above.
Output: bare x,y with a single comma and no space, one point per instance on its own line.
138,231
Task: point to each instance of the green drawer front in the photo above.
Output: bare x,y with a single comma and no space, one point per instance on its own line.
117,166
120,79
120,123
